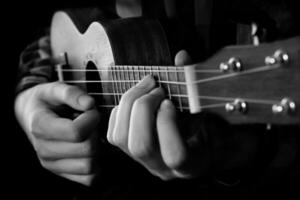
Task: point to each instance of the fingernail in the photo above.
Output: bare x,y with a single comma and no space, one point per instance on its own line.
167,104
86,101
147,81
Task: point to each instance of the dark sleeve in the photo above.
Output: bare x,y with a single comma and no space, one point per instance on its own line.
35,65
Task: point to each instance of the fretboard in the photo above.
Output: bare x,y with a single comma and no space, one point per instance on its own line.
116,80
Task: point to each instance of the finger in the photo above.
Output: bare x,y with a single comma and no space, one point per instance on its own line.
172,146
142,144
85,123
82,179
111,125
58,93
78,166
120,133
54,150
47,125
182,58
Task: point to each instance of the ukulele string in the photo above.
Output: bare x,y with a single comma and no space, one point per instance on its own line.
202,97
213,78
118,94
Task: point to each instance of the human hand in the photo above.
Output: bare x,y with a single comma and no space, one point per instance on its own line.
63,145
144,125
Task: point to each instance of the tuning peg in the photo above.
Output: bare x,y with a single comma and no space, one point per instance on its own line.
233,64
279,57
286,106
237,105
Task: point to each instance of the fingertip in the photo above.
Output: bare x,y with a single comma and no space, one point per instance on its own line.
86,102
167,105
182,58
147,81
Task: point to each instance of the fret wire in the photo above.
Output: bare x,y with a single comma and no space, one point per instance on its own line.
128,78
136,74
116,83
144,71
168,86
151,70
178,91
113,86
133,79
158,75
139,75
123,78
119,78
120,83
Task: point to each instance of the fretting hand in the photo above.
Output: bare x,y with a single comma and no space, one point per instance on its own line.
144,125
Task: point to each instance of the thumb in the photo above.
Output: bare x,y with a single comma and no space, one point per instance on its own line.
182,58
62,94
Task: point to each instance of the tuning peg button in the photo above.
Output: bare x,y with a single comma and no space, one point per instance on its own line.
238,105
279,57
233,64
286,106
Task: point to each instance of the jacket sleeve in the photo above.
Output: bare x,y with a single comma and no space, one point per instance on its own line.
35,65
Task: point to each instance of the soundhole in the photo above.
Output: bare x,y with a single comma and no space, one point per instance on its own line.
94,88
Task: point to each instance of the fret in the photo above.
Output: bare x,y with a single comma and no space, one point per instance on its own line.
150,70
144,71
119,84
178,90
114,84
131,72
123,78
128,86
158,75
168,85
136,73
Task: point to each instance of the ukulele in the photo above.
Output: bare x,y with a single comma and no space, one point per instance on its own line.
242,84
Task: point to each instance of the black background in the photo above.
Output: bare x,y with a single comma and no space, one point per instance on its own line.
22,177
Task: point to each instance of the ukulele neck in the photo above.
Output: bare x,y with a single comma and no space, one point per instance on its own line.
115,80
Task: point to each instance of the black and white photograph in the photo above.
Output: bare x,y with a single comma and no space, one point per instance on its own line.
151,100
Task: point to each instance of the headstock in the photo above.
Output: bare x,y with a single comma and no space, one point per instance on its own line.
253,84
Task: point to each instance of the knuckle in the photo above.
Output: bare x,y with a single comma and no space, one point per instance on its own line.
119,141
34,125
68,92
141,152
87,180
109,139
127,99
44,164
165,177
143,103
43,152
175,161
87,167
